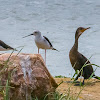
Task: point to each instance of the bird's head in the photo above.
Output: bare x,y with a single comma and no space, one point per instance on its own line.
79,31
35,33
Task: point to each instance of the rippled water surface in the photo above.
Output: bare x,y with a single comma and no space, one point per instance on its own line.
57,20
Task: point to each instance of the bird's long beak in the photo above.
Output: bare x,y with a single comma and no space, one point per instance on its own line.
84,30
28,35
87,28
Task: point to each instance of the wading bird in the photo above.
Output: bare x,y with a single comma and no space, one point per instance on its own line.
42,42
78,60
5,47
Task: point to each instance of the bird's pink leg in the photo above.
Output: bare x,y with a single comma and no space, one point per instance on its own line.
38,50
45,56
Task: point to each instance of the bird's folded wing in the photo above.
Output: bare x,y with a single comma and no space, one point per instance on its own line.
5,45
48,41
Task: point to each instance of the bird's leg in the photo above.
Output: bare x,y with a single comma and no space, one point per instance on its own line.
83,82
45,56
38,50
77,77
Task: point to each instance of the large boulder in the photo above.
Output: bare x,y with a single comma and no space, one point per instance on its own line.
27,76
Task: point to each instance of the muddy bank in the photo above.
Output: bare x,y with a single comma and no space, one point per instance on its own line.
91,90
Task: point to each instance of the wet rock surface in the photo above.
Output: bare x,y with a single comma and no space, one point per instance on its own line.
27,74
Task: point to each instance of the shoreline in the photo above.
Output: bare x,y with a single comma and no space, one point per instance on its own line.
90,91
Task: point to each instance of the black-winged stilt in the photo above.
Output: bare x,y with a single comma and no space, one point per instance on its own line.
5,47
42,42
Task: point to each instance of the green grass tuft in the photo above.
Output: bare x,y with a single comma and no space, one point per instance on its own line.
60,76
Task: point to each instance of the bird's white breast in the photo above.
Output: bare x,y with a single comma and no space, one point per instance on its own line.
2,49
42,43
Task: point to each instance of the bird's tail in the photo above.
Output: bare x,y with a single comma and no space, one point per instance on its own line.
96,77
14,49
55,49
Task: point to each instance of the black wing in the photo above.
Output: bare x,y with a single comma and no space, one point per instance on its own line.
48,41
5,45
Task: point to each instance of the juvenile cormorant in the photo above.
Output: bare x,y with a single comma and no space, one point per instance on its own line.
78,60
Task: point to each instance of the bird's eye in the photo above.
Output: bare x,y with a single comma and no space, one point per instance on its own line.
81,28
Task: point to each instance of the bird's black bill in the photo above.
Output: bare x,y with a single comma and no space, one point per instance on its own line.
28,35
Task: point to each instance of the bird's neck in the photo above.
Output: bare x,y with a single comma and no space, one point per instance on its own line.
75,46
38,36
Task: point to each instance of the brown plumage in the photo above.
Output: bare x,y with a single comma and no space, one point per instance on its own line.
78,60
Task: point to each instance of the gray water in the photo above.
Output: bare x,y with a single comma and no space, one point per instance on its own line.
57,20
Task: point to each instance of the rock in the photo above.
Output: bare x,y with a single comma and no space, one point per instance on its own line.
28,76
